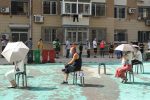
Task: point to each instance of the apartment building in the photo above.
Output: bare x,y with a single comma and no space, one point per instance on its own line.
111,20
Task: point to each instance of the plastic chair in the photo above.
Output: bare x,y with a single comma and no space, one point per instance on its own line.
24,77
130,73
79,74
137,65
99,67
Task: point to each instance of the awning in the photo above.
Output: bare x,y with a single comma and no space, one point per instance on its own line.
19,26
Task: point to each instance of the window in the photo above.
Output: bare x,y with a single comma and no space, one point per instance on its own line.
71,8
99,34
19,7
49,34
119,12
98,9
19,34
49,7
76,34
144,12
120,36
143,36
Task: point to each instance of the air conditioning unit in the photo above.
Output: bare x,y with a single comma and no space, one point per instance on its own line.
139,18
147,22
38,19
131,10
4,10
140,0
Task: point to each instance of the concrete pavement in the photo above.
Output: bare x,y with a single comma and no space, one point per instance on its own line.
44,83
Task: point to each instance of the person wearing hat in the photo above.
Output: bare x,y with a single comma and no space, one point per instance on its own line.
73,65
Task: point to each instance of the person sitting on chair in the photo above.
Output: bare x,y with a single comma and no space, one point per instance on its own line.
73,65
137,58
19,66
126,66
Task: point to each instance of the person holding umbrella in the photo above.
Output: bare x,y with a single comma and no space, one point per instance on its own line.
15,52
11,74
126,66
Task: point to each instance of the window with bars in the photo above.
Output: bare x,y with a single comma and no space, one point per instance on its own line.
49,34
144,12
143,36
19,7
49,7
120,36
119,12
99,34
98,9
71,8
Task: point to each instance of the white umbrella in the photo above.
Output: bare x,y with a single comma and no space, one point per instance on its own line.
136,46
124,47
15,51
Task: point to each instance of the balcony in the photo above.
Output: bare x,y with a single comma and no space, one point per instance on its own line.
69,20
69,8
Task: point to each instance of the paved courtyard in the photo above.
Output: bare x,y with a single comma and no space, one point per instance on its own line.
44,83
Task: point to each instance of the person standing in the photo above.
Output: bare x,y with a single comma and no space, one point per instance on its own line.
95,47
29,43
30,53
67,47
111,50
88,47
40,45
141,45
4,42
148,44
80,49
56,47
102,47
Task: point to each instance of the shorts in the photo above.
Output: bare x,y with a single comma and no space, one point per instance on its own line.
70,68
95,50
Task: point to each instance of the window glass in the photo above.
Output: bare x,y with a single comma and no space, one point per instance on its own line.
19,8
120,35
80,8
49,34
49,7
74,8
143,36
46,7
119,12
71,8
98,9
67,8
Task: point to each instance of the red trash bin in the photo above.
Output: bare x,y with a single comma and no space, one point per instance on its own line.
52,56
45,56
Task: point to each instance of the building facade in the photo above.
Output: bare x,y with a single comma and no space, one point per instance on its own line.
116,21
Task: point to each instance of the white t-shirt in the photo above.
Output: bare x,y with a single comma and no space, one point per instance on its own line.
148,45
94,44
138,55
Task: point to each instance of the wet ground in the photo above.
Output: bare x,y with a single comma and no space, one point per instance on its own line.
44,84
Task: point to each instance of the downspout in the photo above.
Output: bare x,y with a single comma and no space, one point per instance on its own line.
30,19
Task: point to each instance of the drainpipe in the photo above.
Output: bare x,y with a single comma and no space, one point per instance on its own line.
30,19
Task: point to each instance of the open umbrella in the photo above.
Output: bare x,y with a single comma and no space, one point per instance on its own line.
15,51
124,47
136,46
